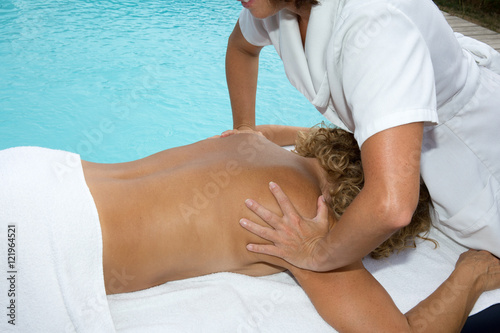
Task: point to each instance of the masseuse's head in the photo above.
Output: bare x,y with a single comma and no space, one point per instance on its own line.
338,153
265,8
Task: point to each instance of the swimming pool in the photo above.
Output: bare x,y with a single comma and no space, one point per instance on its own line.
118,80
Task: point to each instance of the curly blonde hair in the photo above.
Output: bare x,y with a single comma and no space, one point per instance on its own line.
339,155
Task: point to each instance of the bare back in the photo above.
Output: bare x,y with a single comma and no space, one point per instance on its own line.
174,215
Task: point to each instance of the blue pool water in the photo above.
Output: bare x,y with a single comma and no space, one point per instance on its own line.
116,80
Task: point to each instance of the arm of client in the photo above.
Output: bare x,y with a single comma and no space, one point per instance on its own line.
351,300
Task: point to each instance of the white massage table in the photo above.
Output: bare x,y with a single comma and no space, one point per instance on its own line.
227,302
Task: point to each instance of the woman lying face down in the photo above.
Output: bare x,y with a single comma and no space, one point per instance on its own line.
175,214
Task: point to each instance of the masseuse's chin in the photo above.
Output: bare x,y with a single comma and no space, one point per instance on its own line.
261,10
258,14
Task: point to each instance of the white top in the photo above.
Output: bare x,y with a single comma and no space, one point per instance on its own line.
368,65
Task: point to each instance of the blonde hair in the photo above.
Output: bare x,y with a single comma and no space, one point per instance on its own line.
339,155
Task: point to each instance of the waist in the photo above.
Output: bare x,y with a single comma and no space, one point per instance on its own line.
465,95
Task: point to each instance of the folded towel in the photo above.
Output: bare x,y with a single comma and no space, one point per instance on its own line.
51,245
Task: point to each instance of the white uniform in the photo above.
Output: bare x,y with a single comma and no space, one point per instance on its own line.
369,65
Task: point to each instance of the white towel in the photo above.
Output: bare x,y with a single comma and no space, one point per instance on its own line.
57,272
222,302
48,217
412,275
483,54
227,302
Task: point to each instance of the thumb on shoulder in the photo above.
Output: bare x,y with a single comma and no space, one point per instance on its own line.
322,212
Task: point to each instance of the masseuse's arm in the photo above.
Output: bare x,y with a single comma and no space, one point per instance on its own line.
242,66
352,300
391,165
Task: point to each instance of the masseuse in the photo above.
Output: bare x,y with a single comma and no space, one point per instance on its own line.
393,73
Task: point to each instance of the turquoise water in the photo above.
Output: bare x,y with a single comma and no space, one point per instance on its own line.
118,80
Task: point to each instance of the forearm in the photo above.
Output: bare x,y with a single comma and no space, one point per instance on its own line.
241,74
385,204
391,167
281,135
345,299
447,309
363,226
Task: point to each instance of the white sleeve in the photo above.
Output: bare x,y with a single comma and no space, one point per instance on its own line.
254,30
387,73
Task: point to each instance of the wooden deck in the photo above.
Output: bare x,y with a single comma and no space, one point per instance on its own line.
467,28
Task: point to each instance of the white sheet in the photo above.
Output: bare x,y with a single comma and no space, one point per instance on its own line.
227,302
58,269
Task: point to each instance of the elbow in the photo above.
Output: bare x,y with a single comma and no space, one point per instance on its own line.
400,218
396,212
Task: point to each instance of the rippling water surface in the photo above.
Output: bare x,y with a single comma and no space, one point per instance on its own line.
118,80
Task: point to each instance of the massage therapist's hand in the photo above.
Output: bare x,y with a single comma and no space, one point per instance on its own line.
295,239
234,131
483,266
238,131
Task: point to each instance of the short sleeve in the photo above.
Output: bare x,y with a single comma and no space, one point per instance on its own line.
254,30
387,75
